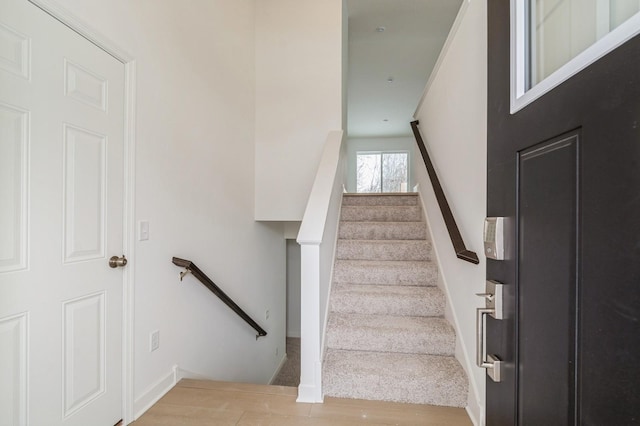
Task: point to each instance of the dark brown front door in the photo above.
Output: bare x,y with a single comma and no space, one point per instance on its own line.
566,170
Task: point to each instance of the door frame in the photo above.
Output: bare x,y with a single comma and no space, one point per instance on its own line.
128,224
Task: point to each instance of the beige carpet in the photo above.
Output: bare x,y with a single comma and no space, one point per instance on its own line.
387,338
289,375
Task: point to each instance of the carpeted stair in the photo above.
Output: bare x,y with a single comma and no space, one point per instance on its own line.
387,338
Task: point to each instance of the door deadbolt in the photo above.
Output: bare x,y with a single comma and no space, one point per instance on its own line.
118,262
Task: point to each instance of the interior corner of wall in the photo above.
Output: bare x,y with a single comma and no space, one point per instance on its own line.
475,411
156,391
281,364
461,352
291,230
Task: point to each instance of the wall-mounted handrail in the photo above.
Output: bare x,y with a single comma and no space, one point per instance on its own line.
206,281
449,220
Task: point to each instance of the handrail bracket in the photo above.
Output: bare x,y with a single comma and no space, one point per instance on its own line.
184,273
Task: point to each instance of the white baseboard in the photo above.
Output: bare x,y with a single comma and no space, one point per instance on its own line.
154,392
312,392
275,374
472,416
474,407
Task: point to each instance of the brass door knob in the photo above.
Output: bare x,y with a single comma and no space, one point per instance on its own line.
116,261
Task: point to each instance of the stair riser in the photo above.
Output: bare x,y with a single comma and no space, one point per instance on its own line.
380,250
358,339
367,388
355,302
383,230
377,200
419,274
381,214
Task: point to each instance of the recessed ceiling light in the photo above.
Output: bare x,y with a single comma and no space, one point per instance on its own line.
390,80
380,29
385,120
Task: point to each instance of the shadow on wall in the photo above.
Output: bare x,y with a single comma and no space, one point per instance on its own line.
293,290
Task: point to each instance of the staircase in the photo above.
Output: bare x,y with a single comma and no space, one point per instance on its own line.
387,338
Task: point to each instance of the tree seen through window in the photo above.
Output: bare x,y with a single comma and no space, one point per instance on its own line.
381,172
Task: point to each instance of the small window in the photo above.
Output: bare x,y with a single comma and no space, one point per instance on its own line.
552,40
562,29
382,172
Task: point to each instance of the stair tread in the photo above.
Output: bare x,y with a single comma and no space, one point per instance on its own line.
408,378
403,198
389,272
387,242
388,290
390,333
380,194
381,213
383,249
387,262
410,230
387,300
388,223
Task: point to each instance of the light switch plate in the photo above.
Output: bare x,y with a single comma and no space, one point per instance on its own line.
143,230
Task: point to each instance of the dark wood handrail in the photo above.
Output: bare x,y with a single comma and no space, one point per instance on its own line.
204,279
449,220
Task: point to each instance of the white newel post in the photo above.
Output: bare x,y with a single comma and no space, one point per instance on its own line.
310,238
310,389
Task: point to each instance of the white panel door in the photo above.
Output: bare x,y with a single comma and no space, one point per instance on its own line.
61,218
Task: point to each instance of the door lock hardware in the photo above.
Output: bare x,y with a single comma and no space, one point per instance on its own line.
494,308
493,298
488,296
118,262
493,237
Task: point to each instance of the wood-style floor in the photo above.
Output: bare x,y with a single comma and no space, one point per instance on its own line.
195,402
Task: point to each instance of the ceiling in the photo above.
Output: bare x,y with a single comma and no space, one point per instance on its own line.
388,69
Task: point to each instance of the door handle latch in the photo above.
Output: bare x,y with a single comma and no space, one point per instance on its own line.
488,296
117,262
494,308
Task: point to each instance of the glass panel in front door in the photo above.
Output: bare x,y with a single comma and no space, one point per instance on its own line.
559,30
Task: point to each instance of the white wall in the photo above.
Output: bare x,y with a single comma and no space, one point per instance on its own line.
195,185
453,118
376,144
298,99
345,66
